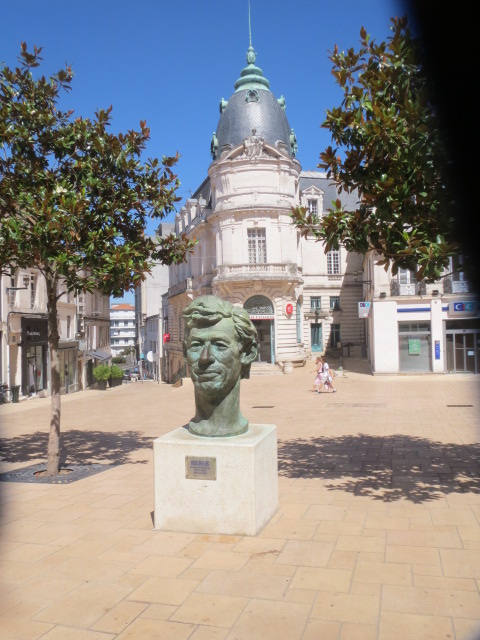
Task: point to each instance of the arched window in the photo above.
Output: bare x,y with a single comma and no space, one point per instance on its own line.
259,306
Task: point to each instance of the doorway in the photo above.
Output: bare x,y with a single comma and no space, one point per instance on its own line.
316,336
261,312
34,369
265,340
463,351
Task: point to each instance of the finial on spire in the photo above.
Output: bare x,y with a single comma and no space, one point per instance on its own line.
249,24
251,76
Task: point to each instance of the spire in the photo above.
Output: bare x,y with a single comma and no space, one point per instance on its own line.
251,77
249,25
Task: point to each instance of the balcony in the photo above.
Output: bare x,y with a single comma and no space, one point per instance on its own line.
257,271
455,286
181,287
317,314
407,289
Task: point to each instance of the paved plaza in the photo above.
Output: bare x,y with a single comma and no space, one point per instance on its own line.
377,535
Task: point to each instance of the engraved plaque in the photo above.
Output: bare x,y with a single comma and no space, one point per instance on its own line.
197,468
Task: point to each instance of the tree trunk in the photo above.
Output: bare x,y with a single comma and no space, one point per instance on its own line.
53,453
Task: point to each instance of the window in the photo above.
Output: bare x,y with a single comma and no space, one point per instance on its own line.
69,321
315,303
333,263
406,276
407,282
32,291
257,250
312,206
457,268
334,303
334,335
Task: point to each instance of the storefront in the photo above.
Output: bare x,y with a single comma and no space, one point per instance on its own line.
414,347
67,356
34,355
438,336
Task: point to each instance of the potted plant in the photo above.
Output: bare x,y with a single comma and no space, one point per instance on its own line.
102,375
116,375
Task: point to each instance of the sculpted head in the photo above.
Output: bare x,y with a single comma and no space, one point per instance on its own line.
219,347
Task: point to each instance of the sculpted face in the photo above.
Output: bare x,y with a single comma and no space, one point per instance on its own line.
214,357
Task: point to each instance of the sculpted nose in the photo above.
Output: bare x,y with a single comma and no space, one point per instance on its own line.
205,355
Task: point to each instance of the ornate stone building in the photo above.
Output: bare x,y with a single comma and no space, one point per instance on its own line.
301,300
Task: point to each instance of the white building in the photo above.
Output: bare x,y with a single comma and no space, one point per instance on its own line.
149,313
414,327
122,328
24,359
301,300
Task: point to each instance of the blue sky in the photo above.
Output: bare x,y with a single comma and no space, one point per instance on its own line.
170,62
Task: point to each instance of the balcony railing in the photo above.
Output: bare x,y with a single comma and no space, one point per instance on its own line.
184,285
258,271
455,286
407,289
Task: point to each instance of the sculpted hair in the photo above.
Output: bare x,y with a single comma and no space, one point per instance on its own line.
207,311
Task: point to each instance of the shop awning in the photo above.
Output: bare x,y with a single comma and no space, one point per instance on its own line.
99,355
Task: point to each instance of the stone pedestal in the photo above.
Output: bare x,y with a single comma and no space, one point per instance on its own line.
216,485
288,367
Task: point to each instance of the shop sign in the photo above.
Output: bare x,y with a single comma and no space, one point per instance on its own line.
34,330
437,349
463,308
166,337
289,309
363,309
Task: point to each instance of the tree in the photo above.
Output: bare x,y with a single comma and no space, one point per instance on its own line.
391,150
75,199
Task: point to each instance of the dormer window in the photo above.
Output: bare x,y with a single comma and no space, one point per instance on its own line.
312,199
251,95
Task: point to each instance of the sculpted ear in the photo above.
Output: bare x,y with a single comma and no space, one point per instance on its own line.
249,353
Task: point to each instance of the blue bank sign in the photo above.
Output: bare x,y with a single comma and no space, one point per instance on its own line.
463,308
363,309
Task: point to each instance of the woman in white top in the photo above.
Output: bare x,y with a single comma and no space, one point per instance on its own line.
327,379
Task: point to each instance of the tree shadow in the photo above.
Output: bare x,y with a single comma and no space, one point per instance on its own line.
78,447
386,468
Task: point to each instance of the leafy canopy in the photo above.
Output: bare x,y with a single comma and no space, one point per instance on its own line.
390,149
73,195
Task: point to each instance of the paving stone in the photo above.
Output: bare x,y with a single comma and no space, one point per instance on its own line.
354,551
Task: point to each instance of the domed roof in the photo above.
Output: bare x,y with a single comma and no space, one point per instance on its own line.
253,110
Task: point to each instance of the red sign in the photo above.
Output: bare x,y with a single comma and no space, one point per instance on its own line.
289,309
166,337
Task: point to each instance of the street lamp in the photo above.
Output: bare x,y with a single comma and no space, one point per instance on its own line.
356,274
26,282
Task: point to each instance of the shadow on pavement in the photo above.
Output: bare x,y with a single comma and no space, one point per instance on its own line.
384,468
78,447
359,366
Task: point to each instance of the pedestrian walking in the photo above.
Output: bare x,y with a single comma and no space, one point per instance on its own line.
318,375
327,377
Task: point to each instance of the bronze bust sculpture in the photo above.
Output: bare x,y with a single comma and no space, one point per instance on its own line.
219,347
